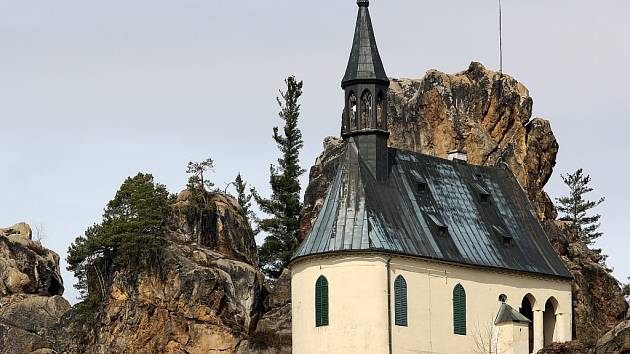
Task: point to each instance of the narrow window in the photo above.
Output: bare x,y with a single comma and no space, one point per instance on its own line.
366,109
438,224
321,302
482,193
400,301
380,110
352,110
502,235
459,310
421,183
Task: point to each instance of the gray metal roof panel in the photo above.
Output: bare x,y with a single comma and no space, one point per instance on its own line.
360,213
508,314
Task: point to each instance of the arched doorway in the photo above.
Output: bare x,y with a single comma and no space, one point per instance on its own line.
549,320
527,310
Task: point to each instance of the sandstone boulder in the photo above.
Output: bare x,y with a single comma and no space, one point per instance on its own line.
26,267
22,230
616,341
30,293
221,226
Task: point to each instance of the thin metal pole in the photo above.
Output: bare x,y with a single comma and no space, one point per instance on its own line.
500,38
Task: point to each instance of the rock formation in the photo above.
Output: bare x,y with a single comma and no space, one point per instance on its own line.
488,115
598,303
209,298
30,292
617,340
274,327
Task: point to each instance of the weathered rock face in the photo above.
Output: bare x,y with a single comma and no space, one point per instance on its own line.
204,303
30,292
598,303
274,327
488,116
209,298
616,341
220,228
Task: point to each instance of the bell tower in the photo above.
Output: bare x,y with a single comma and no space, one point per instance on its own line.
365,86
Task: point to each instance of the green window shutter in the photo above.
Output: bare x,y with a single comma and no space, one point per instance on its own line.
321,302
400,301
459,310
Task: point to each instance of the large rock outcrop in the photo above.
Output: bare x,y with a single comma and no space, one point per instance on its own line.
30,292
484,113
220,228
209,297
488,115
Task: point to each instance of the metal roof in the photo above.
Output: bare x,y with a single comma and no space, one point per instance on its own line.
365,61
508,314
447,219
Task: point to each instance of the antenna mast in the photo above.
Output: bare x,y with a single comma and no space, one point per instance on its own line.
500,39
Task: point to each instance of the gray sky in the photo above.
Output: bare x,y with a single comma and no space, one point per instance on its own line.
92,92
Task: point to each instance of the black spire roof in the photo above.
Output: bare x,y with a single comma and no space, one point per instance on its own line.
365,62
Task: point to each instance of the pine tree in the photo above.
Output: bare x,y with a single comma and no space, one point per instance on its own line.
284,205
576,210
197,184
243,198
129,236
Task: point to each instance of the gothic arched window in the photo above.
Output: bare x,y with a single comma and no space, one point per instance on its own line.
366,109
353,111
380,110
400,301
459,310
321,302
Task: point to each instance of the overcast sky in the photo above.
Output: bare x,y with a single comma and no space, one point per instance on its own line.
92,92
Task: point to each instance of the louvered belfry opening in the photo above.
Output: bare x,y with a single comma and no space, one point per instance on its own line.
400,301
321,302
459,310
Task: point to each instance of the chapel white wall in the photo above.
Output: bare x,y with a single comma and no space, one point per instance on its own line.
358,304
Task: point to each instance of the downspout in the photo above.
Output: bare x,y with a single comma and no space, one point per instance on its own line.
389,304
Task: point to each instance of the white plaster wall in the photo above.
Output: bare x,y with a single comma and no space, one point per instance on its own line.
512,338
358,304
357,296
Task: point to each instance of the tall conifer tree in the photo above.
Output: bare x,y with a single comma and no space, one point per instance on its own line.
576,209
284,204
243,198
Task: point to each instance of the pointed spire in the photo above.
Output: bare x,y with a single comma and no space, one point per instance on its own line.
365,62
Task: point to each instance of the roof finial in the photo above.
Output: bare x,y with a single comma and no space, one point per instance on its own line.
365,3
